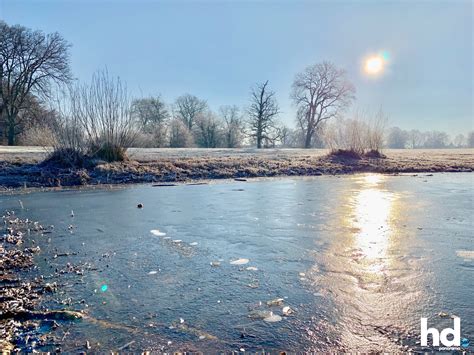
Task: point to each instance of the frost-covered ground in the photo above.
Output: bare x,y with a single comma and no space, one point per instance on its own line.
33,154
18,165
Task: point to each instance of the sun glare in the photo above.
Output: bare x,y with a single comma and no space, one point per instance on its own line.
374,65
372,212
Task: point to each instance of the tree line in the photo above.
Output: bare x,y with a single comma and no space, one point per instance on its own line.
33,63
398,138
42,104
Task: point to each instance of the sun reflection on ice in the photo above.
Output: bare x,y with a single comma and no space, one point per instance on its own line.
370,219
366,270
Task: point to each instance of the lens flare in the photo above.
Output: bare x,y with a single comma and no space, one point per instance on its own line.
385,55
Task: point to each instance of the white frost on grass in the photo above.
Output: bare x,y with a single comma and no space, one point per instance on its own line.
241,261
157,233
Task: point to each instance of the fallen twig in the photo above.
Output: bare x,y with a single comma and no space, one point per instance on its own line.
126,345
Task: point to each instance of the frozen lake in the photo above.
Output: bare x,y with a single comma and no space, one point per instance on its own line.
357,259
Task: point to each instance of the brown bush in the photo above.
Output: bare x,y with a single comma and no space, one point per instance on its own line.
374,154
110,152
345,154
69,158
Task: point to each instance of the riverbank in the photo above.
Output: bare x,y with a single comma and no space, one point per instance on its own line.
25,322
20,166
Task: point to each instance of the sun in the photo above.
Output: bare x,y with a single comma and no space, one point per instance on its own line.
374,65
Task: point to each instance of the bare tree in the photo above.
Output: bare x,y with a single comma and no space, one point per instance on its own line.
460,141
150,112
263,111
273,136
415,139
36,123
320,92
179,134
207,130
233,126
187,108
30,61
397,138
287,136
152,116
317,139
435,139
470,139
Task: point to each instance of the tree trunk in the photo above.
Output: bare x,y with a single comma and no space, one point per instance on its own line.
11,133
259,137
3,127
307,142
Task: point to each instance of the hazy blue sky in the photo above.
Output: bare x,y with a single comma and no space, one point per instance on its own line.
218,49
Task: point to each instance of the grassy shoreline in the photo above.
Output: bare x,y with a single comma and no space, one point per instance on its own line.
20,168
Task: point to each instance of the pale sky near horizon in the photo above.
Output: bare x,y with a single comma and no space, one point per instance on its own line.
217,50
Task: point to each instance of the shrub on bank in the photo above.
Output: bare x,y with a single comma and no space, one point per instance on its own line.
345,154
360,136
375,154
110,152
68,158
94,123
352,154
